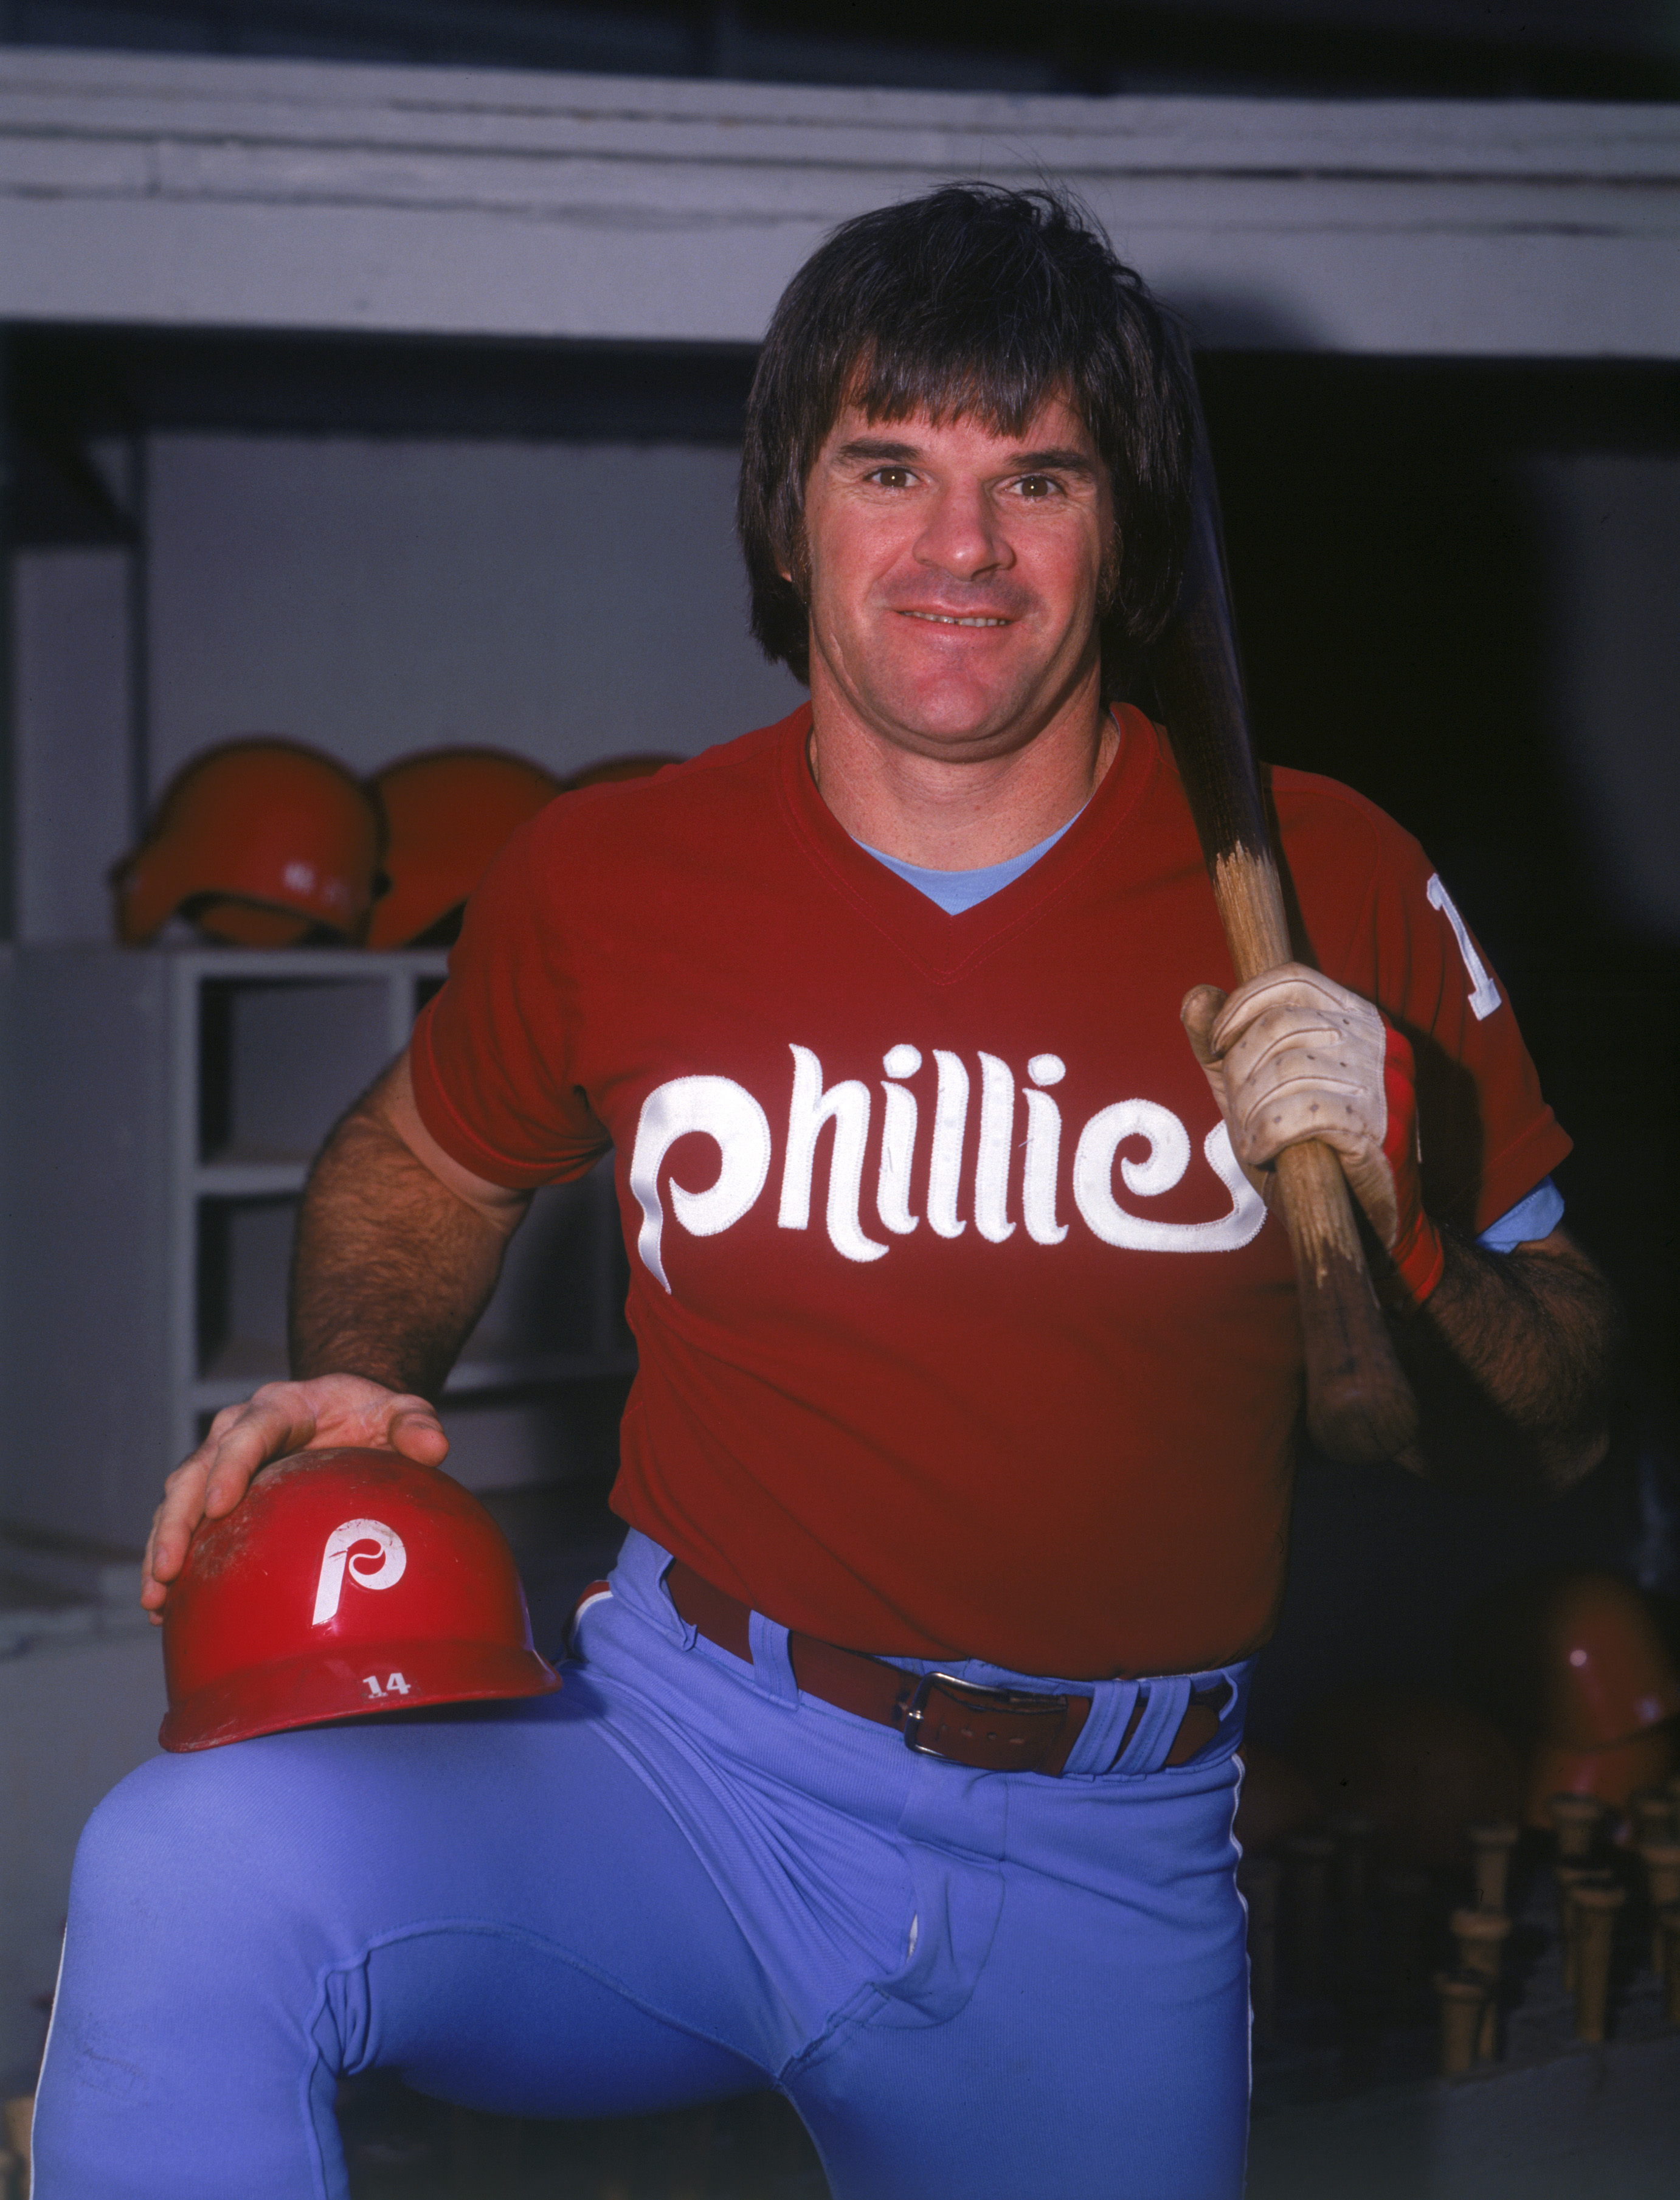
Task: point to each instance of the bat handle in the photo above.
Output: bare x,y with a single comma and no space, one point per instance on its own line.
1360,1406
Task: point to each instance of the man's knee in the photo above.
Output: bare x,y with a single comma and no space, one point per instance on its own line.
146,1840
187,1845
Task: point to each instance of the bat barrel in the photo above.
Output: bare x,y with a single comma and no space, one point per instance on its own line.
1360,1406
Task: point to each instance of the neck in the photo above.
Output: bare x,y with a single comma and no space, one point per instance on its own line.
953,817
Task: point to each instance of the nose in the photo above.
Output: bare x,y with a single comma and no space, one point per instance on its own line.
964,536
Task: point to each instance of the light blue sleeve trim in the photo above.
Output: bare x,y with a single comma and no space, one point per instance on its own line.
1532,1218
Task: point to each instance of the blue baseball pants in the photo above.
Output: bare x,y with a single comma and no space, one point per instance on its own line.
678,1880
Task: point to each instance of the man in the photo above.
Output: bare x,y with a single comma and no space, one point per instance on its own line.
994,1380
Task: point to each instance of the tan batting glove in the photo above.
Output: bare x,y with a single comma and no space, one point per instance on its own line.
1292,1056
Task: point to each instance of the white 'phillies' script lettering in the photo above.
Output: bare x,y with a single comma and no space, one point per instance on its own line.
718,1108
381,1568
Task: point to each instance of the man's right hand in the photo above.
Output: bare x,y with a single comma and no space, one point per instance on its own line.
281,1418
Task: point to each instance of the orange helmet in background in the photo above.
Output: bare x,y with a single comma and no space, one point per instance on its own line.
448,812
349,1581
624,767
1572,1663
1569,1656
262,842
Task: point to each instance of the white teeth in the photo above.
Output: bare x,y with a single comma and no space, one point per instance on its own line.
942,619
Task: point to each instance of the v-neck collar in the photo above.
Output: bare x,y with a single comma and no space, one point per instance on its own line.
941,946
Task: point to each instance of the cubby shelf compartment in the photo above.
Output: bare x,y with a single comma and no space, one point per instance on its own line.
247,1180
267,1048
237,1372
162,1108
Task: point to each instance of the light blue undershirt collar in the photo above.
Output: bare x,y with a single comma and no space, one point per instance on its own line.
956,891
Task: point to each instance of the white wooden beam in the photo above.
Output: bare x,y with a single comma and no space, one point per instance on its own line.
185,191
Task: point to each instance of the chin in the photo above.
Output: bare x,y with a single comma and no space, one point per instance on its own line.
946,706
942,727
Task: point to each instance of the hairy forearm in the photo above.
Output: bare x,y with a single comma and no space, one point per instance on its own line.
1510,1357
389,1269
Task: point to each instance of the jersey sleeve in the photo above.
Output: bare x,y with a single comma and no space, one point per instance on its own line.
491,1052
1487,1136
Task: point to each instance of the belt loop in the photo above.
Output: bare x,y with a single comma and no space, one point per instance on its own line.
1098,1739
670,1620
1166,1699
772,1668
1236,1679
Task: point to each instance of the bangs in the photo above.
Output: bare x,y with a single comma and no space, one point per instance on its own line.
980,326
1001,395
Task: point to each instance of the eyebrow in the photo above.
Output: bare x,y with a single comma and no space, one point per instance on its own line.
882,450
879,448
1059,458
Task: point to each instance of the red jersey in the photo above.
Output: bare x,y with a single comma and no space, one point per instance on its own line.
960,1331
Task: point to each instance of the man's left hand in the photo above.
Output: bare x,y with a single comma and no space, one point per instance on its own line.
1292,1056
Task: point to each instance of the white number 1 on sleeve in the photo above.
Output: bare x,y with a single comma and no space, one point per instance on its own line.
1484,993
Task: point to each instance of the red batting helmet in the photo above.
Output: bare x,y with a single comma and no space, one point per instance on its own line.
1614,1774
349,1581
262,842
1570,1656
448,812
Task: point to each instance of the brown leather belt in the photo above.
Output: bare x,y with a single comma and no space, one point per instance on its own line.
988,1729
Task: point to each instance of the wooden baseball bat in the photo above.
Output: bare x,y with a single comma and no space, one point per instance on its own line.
1360,1408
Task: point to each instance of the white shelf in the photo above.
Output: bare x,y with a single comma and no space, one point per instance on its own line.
241,1368
210,192
252,1179
472,1377
268,1045
172,1097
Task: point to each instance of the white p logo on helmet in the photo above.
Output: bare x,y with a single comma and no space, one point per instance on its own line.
383,1572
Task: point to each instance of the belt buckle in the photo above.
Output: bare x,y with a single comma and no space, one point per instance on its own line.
1027,1701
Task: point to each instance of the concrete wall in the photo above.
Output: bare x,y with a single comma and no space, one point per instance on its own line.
74,1720
71,721
1613,527
567,601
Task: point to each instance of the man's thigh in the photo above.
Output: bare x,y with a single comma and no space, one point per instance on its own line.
492,1906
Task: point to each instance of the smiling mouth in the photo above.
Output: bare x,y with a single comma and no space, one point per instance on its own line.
950,619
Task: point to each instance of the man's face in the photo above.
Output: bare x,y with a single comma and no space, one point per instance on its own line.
954,578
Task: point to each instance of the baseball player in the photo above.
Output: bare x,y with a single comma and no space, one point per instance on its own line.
895,1766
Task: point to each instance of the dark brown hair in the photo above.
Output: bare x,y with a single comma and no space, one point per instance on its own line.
977,301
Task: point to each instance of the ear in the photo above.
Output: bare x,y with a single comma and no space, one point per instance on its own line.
797,571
